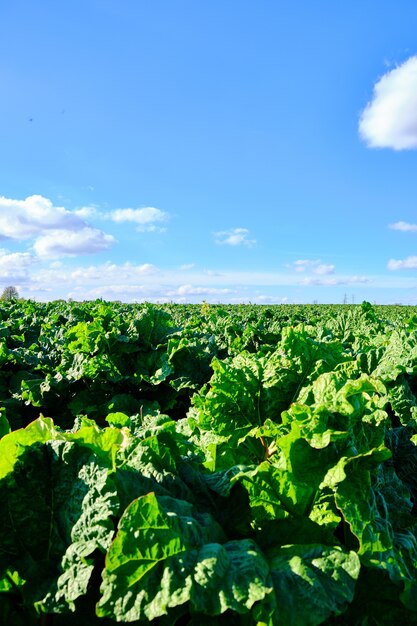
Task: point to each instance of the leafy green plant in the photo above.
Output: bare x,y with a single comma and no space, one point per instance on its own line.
248,467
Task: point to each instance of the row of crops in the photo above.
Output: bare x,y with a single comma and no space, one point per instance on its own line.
207,465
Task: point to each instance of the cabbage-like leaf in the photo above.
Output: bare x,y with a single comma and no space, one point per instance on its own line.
59,502
165,555
311,583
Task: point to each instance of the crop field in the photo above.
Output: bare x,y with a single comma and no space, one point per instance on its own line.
207,465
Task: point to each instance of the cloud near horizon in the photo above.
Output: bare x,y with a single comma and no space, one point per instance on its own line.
51,238
389,120
138,282
334,281
192,290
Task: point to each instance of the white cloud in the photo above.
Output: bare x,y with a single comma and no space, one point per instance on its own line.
334,281
87,212
24,219
145,268
100,277
390,119
235,237
315,266
190,290
58,243
324,269
55,230
404,226
187,266
137,282
147,219
156,293
409,263
110,272
125,292
15,266
301,265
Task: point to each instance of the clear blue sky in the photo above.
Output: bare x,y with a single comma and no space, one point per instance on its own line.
201,149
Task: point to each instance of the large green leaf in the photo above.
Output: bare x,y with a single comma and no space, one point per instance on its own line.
59,503
166,555
15,443
311,583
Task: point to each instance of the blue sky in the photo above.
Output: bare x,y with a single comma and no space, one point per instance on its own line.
189,150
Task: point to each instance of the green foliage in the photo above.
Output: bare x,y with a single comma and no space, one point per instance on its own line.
207,465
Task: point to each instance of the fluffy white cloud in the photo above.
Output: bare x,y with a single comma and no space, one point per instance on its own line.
58,243
15,266
24,219
235,237
390,119
55,230
315,266
409,263
147,219
404,226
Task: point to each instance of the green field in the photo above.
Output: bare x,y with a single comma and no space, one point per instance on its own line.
208,465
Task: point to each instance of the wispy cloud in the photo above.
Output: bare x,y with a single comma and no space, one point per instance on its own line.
120,291
390,118
324,269
192,290
234,237
262,299
271,299
314,266
334,281
107,273
409,263
404,226
147,219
